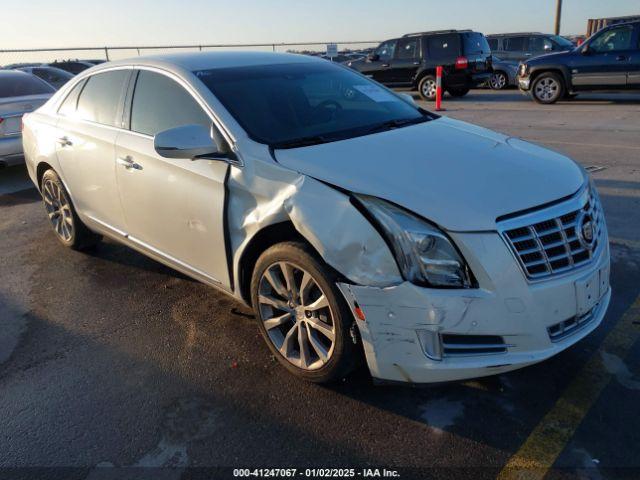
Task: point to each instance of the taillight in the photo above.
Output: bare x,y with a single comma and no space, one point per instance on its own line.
1,119
461,62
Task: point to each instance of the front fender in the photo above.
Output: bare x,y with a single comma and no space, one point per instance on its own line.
262,194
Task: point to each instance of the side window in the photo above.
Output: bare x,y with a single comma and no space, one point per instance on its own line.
408,48
100,98
443,46
613,40
493,43
515,44
540,44
386,49
70,104
159,103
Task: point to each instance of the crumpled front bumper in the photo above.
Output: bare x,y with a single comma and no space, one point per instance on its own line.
401,320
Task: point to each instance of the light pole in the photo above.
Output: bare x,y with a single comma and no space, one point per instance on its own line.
558,15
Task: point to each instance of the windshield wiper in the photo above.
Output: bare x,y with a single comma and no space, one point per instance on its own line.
391,124
301,142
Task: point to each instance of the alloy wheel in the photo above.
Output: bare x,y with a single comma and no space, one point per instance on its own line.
429,88
498,81
59,209
547,89
296,315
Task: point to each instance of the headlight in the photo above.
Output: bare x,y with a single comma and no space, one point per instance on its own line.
423,252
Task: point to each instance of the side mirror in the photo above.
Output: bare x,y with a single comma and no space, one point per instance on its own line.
585,50
373,57
188,141
548,48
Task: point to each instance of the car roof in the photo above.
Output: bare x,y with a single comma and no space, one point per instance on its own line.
15,73
517,33
195,61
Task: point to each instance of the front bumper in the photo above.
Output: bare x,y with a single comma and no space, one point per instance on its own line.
11,150
524,83
401,321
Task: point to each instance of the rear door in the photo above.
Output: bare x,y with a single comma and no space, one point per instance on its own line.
605,63
173,207
406,60
89,121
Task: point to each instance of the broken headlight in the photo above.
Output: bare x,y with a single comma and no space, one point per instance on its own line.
424,253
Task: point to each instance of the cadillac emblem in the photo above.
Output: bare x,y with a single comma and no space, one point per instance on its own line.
585,231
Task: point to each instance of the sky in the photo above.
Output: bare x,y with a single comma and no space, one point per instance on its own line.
73,23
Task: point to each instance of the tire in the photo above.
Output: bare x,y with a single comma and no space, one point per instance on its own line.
458,92
67,226
427,88
498,81
327,352
547,88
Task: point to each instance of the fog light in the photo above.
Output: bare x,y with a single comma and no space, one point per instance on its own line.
430,343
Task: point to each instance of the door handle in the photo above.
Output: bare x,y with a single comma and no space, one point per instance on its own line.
384,65
416,63
128,163
65,142
621,58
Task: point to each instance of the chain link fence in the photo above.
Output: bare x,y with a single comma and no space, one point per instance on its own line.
48,55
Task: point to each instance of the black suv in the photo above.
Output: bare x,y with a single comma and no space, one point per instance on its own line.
608,61
521,46
411,61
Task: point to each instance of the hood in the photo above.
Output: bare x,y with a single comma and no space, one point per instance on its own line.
546,57
460,176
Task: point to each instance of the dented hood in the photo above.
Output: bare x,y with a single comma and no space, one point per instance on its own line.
458,175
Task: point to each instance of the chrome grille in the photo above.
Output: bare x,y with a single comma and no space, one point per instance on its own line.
547,245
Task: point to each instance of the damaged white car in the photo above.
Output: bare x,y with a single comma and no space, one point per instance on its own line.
352,220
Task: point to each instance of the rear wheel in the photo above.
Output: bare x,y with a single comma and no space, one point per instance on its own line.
458,92
547,88
427,88
67,227
498,81
301,314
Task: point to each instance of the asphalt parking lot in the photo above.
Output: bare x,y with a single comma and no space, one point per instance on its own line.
108,358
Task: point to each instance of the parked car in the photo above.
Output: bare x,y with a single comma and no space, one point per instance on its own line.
52,75
72,66
97,61
609,61
358,223
504,73
20,92
411,61
520,46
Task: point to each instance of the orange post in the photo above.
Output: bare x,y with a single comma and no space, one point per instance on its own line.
439,89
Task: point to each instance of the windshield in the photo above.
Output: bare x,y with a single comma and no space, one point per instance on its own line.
280,105
563,42
19,85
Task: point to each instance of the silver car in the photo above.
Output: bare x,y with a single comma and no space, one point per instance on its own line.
352,220
20,93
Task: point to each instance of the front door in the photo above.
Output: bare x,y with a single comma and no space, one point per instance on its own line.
85,146
603,63
378,66
173,207
406,61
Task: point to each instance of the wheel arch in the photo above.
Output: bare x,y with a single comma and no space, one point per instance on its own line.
560,70
40,169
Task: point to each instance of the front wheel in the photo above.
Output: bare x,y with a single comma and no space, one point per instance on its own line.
547,88
458,92
427,88
301,314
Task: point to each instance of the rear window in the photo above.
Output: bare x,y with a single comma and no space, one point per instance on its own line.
443,46
493,43
20,85
475,43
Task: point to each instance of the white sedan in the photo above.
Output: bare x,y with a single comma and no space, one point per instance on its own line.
353,221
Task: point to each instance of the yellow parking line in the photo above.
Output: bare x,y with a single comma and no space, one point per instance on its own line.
545,443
